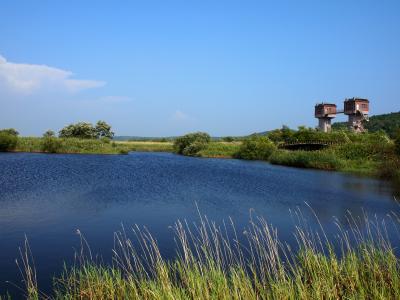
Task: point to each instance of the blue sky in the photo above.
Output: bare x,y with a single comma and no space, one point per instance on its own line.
162,68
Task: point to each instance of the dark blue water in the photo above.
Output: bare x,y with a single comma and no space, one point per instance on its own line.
49,197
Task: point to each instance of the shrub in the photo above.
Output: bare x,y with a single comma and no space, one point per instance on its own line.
105,140
228,139
281,135
323,160
256,148
378,149
191,144
10,131
123,151
218,149
51,144
8,141
49,133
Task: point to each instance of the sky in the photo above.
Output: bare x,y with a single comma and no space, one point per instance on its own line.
165,68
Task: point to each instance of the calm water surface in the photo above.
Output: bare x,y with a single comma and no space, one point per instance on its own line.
49,197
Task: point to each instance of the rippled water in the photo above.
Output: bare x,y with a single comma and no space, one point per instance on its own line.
49,197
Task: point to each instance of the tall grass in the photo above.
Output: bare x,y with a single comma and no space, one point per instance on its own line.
146,146
88,146
215,262
324,160
70,145
220,150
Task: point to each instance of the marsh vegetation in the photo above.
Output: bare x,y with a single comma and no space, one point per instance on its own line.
220,262
370,154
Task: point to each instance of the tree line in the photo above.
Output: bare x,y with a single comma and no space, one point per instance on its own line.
81,130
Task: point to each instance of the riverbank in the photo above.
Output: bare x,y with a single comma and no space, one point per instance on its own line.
360,158
87,146
210,264
373,159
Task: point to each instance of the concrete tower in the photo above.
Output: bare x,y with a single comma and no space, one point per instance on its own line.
325,112
357,109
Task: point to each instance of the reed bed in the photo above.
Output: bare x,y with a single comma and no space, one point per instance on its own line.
220,150
89,146
70,145
146,146
218,262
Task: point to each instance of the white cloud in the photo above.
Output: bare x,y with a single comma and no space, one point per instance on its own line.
28,78
180,116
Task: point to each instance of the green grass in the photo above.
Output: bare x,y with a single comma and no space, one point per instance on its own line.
70,145
220,150
323,160
329,160
212,265
91,146
146,146
374,159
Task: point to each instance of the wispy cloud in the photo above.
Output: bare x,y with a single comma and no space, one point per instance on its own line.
30,78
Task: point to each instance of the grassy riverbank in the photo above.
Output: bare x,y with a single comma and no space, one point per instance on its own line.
89,146
212,264
367,154
220,150
376,159
146,146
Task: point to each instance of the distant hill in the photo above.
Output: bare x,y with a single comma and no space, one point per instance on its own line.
389,123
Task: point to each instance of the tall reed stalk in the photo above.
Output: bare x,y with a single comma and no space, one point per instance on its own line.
217,262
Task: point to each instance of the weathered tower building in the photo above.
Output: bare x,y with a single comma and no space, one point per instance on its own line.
357,109
325,112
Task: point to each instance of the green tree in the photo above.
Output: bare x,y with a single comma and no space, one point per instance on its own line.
191,144
8,141
305,134
83,130
103,130
256,148
281,135
10,131
49,133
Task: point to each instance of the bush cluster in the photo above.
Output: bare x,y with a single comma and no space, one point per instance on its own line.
323,160
363,151
228,139
304,134
8,139
256,148
191,144
51,144
86,130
